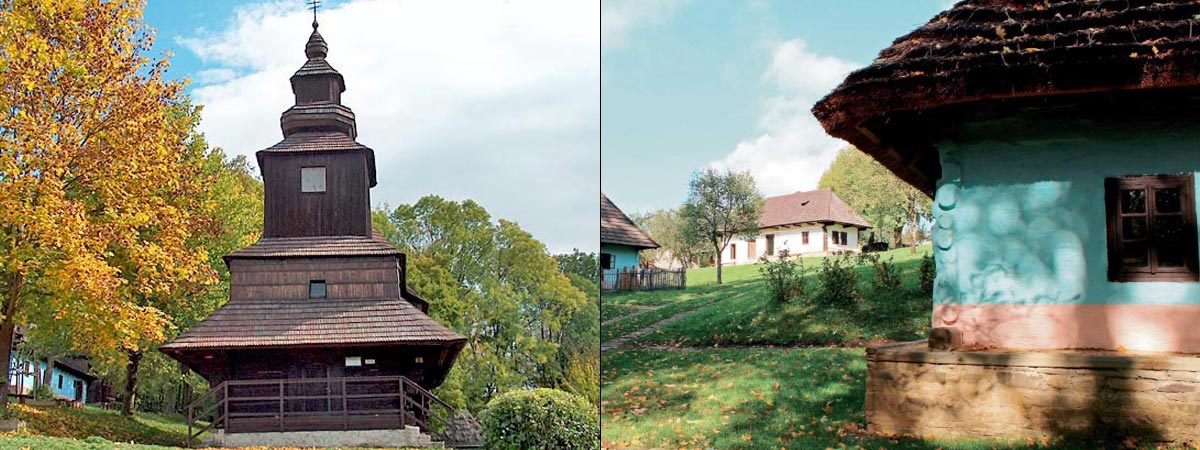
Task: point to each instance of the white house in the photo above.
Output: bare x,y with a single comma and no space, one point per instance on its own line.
805,223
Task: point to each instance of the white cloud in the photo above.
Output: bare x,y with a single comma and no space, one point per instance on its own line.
496,101
792,149
619,17
211,76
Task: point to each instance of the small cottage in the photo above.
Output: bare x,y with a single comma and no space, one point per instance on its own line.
321,342
620,239
1059,141
803,223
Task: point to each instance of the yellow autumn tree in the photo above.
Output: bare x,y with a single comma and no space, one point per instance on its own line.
95,182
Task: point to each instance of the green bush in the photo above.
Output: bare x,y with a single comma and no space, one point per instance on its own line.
42,392
887,280
837,284
540,419
928,272
784,277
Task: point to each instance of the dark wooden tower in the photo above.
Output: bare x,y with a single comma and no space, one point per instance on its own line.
321,296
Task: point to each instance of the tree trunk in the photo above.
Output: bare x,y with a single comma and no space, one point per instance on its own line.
131,379
916,220
7,326
719,266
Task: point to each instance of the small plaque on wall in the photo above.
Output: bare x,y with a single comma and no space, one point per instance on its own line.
353,361
369,361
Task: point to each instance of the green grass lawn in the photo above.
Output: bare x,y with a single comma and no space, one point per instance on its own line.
784,398
743,314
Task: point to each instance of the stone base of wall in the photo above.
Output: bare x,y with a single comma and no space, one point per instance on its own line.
1032,394
408,437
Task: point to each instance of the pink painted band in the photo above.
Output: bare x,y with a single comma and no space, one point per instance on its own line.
1155,328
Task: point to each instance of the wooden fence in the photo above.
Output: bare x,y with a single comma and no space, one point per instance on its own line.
642,280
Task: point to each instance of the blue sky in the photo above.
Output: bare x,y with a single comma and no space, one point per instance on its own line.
691,84
492,100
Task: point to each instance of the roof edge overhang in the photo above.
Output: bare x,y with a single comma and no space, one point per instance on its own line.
637,246
175,349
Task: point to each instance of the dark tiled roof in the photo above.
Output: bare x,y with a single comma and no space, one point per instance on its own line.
317,246
983,52
276,323
821,205
617,228
316,141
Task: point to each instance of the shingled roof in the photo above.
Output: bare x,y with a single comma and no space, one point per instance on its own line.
259,322
980,52
617,228
819,206
317,246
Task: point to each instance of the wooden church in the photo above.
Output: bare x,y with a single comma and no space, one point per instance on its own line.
320,332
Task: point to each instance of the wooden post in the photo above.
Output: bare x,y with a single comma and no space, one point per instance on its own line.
403,411
190,421
281,406
224,407
345,417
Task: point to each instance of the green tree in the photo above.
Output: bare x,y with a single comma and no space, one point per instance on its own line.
498,286
719,207
667,227
579,263
890,204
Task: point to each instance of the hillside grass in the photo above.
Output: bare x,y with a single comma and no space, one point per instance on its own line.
91,428
779,398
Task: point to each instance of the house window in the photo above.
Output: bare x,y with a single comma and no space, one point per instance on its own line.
312,179
60,380
732,252
770,245
606,261
804,237
1151,228
316,289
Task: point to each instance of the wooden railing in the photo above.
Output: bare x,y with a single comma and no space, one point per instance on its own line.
317,404
642,280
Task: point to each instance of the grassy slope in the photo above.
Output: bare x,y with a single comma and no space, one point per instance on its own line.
92,428
749,399
747,316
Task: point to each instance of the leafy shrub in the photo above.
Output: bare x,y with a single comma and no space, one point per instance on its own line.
42,392
837,284
887,280
928,272
784,277
540,419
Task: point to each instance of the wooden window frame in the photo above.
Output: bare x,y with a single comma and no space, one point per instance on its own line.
804,238
611,262
1151,273
770,244
733,252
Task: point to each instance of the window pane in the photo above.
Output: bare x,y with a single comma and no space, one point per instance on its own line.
1167,200
1169,230
1133,228
1133,201
1134,254
312,179
1171,256
316,289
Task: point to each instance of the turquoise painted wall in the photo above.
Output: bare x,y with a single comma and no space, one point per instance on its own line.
67,390
1020,214
624,255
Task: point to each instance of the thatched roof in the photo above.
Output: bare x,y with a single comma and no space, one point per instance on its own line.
819,206
982,52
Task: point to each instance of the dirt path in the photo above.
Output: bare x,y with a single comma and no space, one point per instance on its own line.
640,310
620,341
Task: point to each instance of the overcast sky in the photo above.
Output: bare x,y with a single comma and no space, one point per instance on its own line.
496,101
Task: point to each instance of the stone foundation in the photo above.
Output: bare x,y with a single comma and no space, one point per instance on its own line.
408,437
1008,394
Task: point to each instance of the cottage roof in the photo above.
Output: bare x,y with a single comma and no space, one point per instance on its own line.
317,246
617,228
980,53
819,206
269,322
